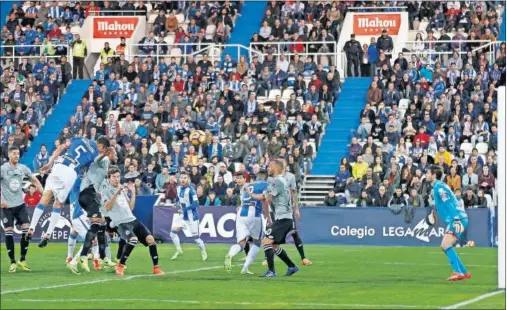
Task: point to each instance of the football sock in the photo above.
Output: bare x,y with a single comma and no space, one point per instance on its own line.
121,245
23,243
284,257
78,253
9,243
108,250
95,251
200,244
37,213
90,236
299,244
270,256
154,253
453,259
71,244
129,247
53,220
247,248
101,239
235,249
460,264
176,240
252,254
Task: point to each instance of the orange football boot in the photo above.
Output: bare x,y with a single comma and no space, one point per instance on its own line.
96,264
306,262
120,269
456,277
157,270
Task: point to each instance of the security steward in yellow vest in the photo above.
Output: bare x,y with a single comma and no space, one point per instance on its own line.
106,53
79,53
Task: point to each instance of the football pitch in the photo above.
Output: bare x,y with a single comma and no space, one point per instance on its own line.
341,277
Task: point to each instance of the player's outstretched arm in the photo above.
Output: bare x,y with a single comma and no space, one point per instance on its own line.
37,183
260,197
55,154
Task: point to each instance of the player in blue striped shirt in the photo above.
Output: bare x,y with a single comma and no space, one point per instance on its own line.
187,218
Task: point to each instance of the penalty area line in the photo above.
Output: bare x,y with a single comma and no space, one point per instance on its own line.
474,300
116,278
239,303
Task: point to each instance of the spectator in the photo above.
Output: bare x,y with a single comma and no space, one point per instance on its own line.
33,197
470,199
381,199
212,200
331,200
353,50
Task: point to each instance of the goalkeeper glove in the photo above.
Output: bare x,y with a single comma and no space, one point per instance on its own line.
458,226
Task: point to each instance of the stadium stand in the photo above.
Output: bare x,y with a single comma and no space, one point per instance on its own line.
280,96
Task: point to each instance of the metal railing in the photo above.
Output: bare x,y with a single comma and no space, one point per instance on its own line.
379,9
33,56
331,55
459,46
101,12
431,56
179,50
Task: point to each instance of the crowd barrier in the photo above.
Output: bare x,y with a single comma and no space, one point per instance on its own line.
326,225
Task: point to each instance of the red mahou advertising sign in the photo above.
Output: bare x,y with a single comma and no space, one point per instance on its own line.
373,24
114,27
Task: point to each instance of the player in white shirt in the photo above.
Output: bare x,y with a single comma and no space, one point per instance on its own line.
248,222
188,217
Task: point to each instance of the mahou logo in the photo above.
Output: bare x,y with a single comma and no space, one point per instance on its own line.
373,24
110,28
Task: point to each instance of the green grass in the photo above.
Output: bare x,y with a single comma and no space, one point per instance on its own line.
341,277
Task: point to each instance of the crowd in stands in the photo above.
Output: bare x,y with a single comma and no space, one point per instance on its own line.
254,110
417,114
451,32
251,110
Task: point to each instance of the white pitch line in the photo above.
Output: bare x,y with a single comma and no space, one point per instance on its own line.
245,303
37,288
473,300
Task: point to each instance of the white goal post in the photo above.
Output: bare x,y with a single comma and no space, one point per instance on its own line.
502,188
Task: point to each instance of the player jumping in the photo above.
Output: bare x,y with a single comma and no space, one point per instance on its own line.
90,202
188,217
13,206
79,153
278,196
454,216
248,222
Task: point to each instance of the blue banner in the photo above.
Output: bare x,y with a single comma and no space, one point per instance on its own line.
378,226
326,225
